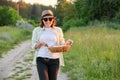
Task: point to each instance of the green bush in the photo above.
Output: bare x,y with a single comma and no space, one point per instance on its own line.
97,9
73,23
8,16
113,25
117,17
33,23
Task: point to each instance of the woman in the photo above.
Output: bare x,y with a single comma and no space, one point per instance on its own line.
43,37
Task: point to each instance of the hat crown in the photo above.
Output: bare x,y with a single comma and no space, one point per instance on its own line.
47,12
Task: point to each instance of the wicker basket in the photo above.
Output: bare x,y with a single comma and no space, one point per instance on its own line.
59,48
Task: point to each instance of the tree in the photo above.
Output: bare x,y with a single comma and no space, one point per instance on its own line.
23,9
8,16
7,3
60,10
97,9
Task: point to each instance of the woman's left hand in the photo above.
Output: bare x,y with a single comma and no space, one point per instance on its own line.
69,42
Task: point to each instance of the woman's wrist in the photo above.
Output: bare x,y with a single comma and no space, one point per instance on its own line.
38,45
69,42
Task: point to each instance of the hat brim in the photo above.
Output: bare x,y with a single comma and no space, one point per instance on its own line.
47,15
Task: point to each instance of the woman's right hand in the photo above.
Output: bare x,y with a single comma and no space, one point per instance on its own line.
38,45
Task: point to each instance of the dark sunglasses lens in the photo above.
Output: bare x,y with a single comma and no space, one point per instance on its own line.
50,19
45,19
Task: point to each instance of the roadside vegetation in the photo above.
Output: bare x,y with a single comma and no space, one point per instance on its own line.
10,36
94,54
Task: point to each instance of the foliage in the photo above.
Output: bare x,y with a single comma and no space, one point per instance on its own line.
33,23
117,17
87,11
8,16
83,10
94,54
65,11
7,3
109,24
9,36
97,9
71,23
91,10
70,13
113,25
60,11
26,10
23,9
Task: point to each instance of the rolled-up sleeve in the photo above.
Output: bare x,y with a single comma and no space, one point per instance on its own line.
34,38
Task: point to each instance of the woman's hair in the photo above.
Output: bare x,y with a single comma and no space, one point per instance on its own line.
53,24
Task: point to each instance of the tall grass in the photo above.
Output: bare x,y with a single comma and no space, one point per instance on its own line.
9,36
95,54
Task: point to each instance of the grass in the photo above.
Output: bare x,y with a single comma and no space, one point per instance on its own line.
94,55
10,36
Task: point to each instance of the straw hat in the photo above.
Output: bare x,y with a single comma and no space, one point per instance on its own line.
47,13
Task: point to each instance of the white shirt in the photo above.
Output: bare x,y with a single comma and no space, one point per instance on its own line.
50,38
37,32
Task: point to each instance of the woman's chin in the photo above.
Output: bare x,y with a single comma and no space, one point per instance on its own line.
47,25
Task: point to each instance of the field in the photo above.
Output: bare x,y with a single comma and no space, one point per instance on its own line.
94,55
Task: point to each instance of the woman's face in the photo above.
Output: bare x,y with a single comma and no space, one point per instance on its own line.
48,21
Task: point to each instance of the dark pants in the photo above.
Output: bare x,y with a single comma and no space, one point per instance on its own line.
47,68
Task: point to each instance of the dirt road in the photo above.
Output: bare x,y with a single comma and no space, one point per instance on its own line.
17,64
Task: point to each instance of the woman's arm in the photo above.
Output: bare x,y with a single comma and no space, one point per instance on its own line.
61,37
34,38
36,44
39,44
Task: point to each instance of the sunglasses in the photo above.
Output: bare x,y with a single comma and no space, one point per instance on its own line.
46,19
